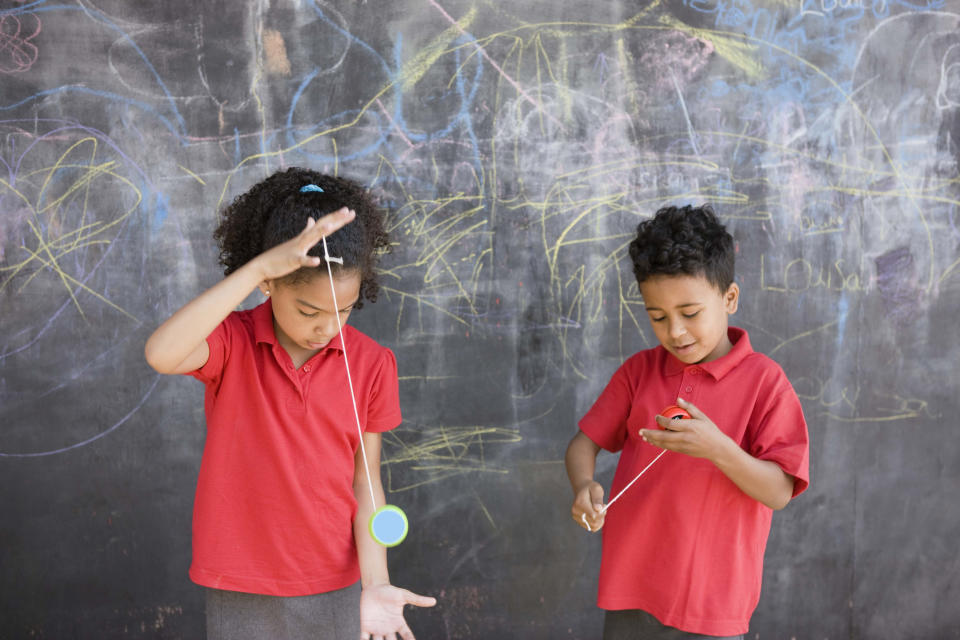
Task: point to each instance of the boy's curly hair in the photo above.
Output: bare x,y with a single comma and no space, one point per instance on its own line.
684,240
275,210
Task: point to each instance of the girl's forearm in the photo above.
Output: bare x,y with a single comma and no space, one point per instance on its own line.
371,556
179,337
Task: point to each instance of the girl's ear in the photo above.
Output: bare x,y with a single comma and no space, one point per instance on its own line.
731,299
265,287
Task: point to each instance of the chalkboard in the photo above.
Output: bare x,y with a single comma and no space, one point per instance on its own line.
516,145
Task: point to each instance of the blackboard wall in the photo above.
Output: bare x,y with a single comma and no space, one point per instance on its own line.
517,145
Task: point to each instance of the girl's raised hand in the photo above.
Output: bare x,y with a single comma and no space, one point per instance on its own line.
291,255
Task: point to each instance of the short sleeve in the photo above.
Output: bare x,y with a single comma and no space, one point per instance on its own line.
606,421
218,342
383,408
781,437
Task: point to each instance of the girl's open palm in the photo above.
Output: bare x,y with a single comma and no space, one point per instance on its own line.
289,256
381,611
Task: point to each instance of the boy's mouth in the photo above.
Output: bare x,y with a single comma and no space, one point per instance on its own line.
687,348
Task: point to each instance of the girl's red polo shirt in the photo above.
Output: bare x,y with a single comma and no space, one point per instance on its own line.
274,505
685,543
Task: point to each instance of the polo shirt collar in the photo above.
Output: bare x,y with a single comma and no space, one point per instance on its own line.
263,327
721,366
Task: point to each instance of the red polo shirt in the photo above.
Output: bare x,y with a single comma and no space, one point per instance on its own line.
685,543
274,505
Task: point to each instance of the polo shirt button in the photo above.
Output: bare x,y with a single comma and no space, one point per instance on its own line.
688,389
306,368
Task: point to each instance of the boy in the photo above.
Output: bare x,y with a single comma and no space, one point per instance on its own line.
683,548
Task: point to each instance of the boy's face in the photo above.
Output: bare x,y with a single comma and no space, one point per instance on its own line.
304,314
689,315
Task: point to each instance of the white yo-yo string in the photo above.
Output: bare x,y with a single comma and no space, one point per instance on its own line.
617,497
388,525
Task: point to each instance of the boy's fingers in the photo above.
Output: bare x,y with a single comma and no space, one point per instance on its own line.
656,437
692,409
583,519
596,494
670,424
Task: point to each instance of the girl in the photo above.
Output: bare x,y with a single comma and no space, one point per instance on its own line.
280,517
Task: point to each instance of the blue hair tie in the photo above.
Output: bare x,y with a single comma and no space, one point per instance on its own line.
310,187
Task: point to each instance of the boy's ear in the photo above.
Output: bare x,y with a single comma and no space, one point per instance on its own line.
731,299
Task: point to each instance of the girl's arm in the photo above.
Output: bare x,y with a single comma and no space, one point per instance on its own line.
372,556
179,344
381,604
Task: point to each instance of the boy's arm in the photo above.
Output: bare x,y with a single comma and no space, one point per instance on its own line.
179,344
762,480
381,604
581,461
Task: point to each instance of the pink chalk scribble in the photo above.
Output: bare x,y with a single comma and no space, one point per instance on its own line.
17,53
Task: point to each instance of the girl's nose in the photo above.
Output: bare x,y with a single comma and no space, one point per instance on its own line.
327,327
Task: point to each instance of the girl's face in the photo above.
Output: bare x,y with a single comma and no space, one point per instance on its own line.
689,315
304,314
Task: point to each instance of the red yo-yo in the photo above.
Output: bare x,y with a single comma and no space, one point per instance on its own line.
673,412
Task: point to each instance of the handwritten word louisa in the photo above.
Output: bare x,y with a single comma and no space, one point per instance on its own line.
801,275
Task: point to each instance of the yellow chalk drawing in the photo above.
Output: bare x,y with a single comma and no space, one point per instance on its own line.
62,219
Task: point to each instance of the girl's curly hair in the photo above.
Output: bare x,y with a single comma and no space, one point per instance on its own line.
275,210
684,240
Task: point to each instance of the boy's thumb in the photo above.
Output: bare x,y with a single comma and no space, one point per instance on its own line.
596,496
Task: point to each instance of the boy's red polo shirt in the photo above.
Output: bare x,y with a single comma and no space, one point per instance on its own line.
685,543
274,505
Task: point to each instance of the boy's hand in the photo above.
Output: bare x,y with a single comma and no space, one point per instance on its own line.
381,611
696,436
587,504
291,255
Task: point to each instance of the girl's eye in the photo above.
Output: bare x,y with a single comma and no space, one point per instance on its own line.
658,319
690,315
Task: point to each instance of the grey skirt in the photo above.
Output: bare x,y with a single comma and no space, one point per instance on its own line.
633,624
232,615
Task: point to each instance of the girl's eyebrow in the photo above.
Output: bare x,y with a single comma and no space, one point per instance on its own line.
307,304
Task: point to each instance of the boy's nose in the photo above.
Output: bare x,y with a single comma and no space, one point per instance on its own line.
677,329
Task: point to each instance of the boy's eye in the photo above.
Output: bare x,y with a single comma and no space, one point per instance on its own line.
690,315
660,319
309,315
